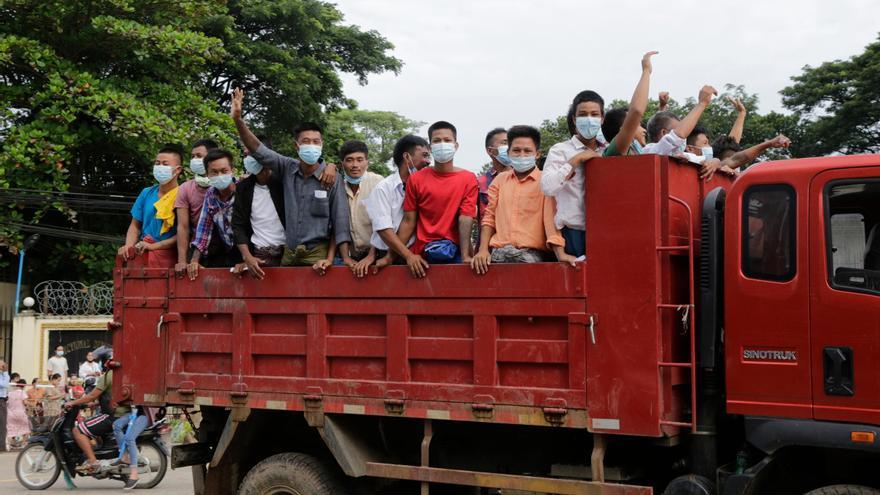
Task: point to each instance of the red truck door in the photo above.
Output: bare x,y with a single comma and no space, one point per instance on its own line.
845,294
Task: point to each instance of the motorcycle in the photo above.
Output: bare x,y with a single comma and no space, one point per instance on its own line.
54,450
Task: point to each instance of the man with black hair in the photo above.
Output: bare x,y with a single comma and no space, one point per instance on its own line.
190,197
258,219
385,204
496,148
359,184
667,134
519,226
725,146
623,127
440,207
315,206
563,174
152,228
213,241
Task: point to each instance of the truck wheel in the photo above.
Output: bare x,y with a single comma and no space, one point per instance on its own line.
690,484
844,490
292,474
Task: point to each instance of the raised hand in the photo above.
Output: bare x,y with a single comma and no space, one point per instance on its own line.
646,61
737,104
663,99
780,141
706,94
237,99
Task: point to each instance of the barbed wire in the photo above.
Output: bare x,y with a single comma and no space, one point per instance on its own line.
71,298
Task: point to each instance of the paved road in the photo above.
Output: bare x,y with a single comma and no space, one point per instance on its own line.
176,482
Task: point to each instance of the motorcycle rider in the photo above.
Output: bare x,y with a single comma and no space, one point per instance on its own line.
102,423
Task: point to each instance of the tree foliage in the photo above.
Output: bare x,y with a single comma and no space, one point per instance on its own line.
89,90
838,104
380,130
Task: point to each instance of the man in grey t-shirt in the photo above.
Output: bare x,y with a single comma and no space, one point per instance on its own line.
317,223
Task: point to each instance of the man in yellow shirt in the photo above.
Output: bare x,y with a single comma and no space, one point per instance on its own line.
519,226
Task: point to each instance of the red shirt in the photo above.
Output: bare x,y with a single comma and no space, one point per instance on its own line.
439,199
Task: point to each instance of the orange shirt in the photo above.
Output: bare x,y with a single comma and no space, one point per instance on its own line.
521,214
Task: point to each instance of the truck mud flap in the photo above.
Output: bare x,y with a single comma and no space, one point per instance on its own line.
191,454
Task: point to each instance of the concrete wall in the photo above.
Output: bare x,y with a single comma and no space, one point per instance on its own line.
30,339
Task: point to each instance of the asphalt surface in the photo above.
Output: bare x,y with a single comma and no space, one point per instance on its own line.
176,482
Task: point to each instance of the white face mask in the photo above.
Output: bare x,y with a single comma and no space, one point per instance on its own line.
59,353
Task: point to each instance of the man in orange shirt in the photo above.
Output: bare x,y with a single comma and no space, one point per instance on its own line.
519,225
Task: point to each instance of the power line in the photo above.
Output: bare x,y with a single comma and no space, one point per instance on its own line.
66,233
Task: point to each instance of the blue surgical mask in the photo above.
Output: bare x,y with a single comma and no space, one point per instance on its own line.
443,152
637,147
588,127
252,166
221,182
522,163
353,180
707,152
162,173
502,156
197,165
309,153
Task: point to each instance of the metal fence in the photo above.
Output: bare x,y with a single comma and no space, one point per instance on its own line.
6,333
70,298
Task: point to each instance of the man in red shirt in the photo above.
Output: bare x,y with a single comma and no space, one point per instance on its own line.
440,206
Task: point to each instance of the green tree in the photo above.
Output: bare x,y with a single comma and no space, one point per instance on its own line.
838,104
380,130
287,56
91,89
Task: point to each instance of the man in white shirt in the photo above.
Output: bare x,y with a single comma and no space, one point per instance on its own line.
57,364
89,368
563,174
385,204
667,135
258,219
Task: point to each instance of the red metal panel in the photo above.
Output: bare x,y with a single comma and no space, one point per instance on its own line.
763,314
623,282
841,318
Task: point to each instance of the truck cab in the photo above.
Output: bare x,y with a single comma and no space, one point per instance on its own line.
802,305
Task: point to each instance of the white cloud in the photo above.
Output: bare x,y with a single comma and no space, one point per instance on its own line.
488,63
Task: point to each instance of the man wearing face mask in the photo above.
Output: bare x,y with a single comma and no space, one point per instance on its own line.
315,206
519,226
496,148
152,229
667,135
258,219
188,204
440,207
57,364
359,185
213,239
385,204
563,175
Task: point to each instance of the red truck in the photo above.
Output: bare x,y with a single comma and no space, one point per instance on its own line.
721,338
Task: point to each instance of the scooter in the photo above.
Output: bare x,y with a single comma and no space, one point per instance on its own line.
54,450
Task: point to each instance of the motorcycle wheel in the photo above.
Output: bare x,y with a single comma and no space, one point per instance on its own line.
157,462
37,468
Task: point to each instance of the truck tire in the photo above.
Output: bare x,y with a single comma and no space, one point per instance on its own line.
844,490
690,484
292,474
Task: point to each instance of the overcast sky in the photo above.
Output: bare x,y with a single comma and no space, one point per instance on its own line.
490,63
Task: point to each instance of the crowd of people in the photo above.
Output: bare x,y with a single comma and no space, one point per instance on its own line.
286,211
24,405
